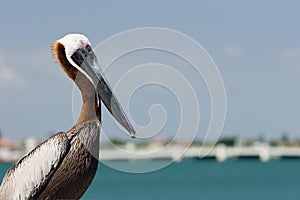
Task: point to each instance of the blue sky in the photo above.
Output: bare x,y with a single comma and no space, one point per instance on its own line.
255,45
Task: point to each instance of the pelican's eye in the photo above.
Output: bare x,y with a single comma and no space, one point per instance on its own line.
88,48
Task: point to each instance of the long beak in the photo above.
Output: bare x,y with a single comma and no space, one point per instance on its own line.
87,61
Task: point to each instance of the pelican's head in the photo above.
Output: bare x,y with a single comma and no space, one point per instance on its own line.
74,53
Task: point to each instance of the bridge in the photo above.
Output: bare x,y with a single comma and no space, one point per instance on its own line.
219,152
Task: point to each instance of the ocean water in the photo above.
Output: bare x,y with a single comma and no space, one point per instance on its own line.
199,179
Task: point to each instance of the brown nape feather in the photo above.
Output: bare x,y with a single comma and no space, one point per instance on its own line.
90,109
59,54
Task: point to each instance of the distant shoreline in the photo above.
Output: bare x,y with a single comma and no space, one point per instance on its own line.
177,152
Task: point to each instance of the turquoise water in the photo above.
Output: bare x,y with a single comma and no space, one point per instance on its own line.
199,179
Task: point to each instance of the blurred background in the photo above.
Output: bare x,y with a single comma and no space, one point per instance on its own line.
256,47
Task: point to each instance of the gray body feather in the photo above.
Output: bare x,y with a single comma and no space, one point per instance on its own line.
62,167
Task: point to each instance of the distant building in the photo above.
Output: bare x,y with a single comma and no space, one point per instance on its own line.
5,146
5,143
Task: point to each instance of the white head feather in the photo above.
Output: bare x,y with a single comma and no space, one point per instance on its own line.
72,42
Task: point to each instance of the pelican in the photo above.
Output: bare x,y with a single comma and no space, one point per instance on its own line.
63,166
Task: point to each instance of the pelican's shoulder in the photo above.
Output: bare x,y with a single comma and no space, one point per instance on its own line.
30,174
87,134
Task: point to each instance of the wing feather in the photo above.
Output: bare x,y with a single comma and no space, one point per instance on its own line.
30,174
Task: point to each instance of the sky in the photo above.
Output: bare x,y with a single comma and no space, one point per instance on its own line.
255,45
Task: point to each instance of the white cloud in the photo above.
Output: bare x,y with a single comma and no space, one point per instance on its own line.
232,50
292,52
9,78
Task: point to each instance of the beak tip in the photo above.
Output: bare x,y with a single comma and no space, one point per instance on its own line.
132,135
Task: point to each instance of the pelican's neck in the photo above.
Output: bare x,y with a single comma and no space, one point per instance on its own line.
90,110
